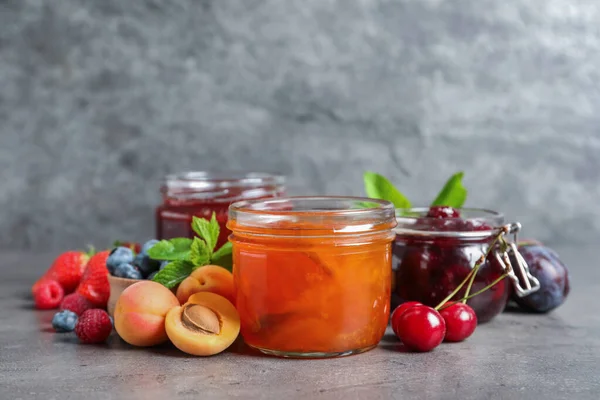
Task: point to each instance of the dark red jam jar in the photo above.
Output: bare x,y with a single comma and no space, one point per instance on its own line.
432,256
202,193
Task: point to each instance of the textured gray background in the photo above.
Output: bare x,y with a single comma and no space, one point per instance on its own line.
99,99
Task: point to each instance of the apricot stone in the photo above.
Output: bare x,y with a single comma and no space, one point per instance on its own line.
209,278
140,313
206,325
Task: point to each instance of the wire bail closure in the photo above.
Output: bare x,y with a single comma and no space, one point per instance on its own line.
525,283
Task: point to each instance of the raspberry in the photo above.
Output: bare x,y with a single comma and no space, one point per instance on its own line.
48,295
93,326
76,303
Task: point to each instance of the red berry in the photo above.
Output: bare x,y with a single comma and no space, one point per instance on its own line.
421,328
94,284
48,295
398,311
93,326
66,269
461,322
76,303
443,212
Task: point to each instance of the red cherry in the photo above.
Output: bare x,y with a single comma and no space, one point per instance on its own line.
399,311
461,322
421,328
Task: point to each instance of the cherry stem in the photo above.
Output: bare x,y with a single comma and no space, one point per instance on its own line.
481,261
471,275
451,295
501,277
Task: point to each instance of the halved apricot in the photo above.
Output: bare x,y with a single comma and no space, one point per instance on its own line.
209,278
205,325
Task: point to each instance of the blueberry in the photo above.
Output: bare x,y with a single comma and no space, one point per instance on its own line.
128,271
119,255
163,264
553,275
151,276
145,264
148,245
64,321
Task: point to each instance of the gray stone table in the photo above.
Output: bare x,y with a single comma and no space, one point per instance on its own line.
516,356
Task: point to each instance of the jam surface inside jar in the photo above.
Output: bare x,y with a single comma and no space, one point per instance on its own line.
432,256
202,193
312,275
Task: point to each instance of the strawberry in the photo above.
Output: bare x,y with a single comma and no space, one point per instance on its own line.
94,282
66,270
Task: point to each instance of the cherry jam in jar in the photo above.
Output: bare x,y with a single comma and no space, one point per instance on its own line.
202,193
433,254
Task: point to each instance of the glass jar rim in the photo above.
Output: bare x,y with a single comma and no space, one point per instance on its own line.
220,185
223,179
320,215
407,218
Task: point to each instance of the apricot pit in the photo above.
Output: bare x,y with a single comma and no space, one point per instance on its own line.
206,325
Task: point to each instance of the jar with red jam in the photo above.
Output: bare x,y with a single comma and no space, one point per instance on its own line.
202,193
435,249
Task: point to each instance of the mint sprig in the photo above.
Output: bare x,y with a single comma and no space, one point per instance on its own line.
377,186
199,252
171,250
174,273
187,254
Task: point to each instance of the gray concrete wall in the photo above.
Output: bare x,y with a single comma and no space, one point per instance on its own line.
99,99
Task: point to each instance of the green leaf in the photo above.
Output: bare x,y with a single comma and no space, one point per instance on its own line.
207,230
379,187
223,257
173,273
171,250
453,194
199,253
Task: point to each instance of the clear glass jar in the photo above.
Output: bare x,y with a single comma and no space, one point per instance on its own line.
202,193
312,275
433,256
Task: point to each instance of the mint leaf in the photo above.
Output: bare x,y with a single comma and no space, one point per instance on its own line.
171,250
223,257
453,194
379,187
207,230
199,253
173,273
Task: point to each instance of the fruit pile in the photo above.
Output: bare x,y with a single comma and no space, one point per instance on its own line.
77,283
190,304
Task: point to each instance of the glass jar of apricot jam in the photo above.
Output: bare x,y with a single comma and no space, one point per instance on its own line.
202,193
312,275
435,251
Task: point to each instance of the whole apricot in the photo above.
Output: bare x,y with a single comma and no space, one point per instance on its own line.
206,325
140,313
209,278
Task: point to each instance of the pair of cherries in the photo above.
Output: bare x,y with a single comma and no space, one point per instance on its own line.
423,328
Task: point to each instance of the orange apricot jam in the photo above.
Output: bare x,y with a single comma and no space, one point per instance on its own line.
312,275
